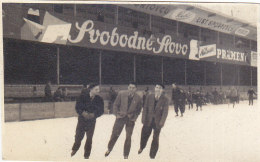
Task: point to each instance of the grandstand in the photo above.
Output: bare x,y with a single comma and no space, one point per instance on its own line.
112,44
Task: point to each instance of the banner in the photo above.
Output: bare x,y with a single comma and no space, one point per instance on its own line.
61,29
253,58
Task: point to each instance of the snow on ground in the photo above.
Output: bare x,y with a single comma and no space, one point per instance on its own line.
217,133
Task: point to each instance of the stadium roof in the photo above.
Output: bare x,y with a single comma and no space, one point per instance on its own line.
199,16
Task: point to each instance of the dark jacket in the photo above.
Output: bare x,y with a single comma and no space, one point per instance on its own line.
158,112
84,103
121,109
47,91
178,96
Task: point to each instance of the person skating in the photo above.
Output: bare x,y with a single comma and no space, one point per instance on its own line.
154,115
233,96
251,94
198,100
127,108
89,107
178,99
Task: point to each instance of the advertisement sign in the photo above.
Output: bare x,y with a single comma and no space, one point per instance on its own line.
94,34
253,58
183,15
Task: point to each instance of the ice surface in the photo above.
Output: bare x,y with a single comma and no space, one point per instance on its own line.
217,133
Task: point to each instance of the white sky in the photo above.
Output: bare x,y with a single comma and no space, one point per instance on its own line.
246,12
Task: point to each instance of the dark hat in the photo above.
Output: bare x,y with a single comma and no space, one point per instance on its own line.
160,84
92,85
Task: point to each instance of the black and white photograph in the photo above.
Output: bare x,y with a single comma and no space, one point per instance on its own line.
138,81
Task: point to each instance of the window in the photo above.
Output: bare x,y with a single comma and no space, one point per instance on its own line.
58,8
117,67
229,74
173,71
28,62
209,36
78,65
244,75
212,73
226,40
148,69
188,31
195,72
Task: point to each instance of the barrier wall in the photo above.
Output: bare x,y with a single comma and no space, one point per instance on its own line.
45,110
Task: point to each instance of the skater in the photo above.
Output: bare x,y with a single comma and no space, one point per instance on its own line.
127,108
153,118
47,91
233,96
112,96
89,107
251,94
178,99
190,99
198,100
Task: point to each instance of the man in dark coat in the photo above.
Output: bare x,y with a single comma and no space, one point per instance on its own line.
47,91
154,115
178,99
89,107
251,94
127,108
198,100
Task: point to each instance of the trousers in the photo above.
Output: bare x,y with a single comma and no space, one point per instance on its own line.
88,127
117,129
146,132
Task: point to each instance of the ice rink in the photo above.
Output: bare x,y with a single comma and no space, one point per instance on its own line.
217,133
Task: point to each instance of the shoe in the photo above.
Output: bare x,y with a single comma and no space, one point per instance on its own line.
140,151
125,157
86,157
181,115
176,115
107,153
73,153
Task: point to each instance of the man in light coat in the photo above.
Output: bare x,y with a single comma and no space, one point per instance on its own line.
127,108
155,112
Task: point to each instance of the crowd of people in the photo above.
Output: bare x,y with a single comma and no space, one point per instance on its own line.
127,105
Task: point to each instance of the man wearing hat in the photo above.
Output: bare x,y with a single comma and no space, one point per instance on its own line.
127,108
178,99
155,112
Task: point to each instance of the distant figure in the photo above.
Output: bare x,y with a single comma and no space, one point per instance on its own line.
251,94
47,90
58,95
190,99
145,93
85,89
238,95
233,96
215,96
112,97
178,99
198,100
64,94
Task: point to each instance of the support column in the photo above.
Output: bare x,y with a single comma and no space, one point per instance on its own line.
251,81
58,65
177,28
134,68
185,72
238,75
116,18
205,74
100,67
221,75
75,10
162,71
